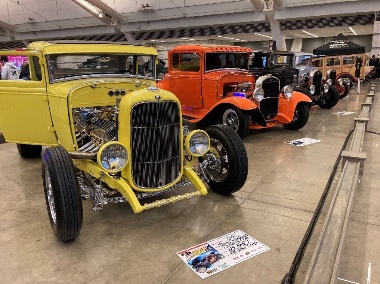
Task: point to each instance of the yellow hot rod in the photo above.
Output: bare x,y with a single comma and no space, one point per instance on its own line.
108,133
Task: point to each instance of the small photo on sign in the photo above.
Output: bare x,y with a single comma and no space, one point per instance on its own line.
302,142
216,255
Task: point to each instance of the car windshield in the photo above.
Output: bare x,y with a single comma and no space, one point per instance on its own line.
304,61
279,59
220,60
69,66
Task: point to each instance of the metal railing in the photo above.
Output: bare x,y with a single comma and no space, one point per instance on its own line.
325,263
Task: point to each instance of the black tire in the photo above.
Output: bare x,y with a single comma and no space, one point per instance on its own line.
228,148
62,194
329,99
301,116
239,120
29,151
344,92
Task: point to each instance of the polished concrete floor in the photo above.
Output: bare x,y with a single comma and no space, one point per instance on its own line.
275,206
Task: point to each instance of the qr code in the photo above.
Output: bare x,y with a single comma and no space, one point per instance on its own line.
237,243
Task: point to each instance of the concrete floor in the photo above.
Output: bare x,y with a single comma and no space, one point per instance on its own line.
275,207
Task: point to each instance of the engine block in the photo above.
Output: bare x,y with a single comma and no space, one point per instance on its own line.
94,126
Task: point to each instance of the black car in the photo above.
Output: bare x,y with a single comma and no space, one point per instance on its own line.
275,62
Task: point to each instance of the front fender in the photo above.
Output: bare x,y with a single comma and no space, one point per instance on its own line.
239,102
346,74
287,107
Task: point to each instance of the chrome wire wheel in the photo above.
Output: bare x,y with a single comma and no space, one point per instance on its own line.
50,196
231,119
218,171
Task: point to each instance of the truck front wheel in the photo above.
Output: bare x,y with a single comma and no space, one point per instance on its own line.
237,119
62,194
227,169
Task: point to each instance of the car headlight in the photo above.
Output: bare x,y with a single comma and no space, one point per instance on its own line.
112,157
259,94
329,81
326,88
312,89
197,143
340,81
287,91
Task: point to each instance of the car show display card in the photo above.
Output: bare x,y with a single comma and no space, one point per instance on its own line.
302,142
213,256
344,112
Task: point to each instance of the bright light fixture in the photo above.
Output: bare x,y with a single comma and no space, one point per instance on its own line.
352,30
220,36
309,33
262,35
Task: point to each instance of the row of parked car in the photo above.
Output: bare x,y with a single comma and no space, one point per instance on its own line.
115,135
215,85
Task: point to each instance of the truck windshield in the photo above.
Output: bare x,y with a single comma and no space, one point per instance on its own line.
69,66
221,60
279,59
304,60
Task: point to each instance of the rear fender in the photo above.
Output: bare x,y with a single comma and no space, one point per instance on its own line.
346,74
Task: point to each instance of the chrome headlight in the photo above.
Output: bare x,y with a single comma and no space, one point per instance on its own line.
326,88
287,91
259,94
112,157
340,81
197,143
312,89
329,81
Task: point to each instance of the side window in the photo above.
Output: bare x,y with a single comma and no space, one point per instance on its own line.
336,61
190,62
175,61
317,62
330,62
35,66
11,66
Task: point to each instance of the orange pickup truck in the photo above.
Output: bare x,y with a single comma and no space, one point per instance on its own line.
214,86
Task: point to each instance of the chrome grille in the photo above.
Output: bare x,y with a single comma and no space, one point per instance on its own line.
155,144
317,82
269,105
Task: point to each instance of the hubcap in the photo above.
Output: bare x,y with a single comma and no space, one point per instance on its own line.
218,171
50,196
231,119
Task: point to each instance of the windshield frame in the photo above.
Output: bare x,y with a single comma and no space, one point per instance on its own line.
94,67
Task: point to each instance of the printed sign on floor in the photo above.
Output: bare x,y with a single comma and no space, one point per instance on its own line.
344,112
211,257
302,142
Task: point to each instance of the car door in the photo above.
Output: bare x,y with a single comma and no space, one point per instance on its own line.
185,79
24,108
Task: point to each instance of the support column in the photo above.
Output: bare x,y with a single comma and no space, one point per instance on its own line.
274,26
130,38
296,45
376,36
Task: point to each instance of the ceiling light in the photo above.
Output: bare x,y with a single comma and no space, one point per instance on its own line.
153,40
220,36
309,33
162,41
352,30
191,39
184,38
